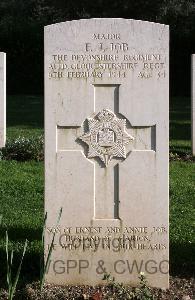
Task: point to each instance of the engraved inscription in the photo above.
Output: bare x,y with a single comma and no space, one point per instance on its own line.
109,239
107,56
106,36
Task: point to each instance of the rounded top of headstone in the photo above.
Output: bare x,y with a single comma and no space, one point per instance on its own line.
66,36
108,21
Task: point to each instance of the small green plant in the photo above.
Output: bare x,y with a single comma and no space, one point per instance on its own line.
44,264
22,149
12,283
143,292
120,291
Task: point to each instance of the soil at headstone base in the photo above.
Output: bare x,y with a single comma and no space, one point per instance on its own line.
180,289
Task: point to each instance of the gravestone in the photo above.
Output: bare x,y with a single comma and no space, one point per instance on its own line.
193,103
2,99
106,150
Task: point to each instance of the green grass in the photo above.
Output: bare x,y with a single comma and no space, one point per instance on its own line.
21,204
21,190
182,217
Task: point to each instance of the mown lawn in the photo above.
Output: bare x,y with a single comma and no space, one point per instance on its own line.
182,218
22,184
21,205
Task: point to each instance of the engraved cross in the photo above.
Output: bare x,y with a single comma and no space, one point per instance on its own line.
110,138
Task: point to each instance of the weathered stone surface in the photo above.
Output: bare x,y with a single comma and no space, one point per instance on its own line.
2,99
106,150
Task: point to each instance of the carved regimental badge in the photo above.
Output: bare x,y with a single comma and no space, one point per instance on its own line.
106,137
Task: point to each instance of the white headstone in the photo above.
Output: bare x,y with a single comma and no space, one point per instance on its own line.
106,150
2,99
193,103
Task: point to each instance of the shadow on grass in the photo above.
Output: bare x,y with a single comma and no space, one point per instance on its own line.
180,119
25,110
180,131
182,261
179,149
30,268
31,263
180,114
21,234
